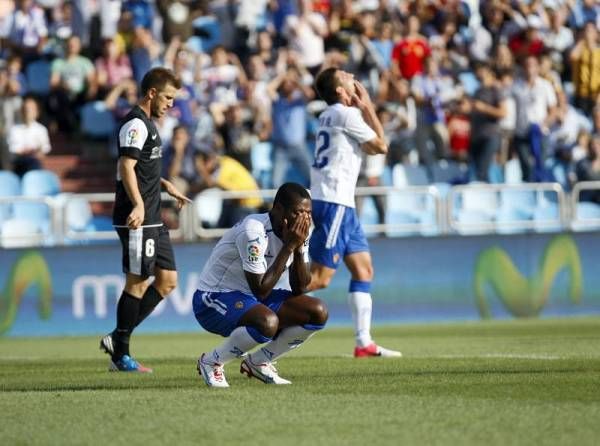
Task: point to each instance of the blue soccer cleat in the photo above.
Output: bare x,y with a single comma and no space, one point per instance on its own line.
128,364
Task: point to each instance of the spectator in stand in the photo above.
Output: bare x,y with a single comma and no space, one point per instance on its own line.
16,78
400,126
305,33
112,67
179,162
28,142
585,60
459,130
432,91
509,122
582,12
73,81
27,29
289,97
226,173
588,169
488,108
237,134
503,60
410,53
559,38
222,79
536,111
529,42
177,17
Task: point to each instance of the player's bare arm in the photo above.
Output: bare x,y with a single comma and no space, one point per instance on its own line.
127,173
362,101
294,236
170,188
300,270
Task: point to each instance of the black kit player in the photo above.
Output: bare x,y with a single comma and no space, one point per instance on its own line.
147,249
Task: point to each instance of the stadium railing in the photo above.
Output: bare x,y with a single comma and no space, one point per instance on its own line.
585,215
415,210
481,208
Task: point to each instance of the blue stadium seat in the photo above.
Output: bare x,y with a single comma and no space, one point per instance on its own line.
403,176
468,219
38,77
10,186
523,201
587,216
368,215
37,183
96,120
208,206
262,165
480,199
546,218
448,172
18,233
409,207
78,213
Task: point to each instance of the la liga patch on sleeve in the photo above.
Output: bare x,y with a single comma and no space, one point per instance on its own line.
253,249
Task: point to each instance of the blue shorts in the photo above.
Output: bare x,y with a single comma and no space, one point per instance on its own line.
220,312
337,233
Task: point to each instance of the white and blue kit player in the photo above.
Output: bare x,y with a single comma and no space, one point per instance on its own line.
251,290
347,127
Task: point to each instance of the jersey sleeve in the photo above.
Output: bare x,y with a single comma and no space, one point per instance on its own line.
251,245
132,137
356,127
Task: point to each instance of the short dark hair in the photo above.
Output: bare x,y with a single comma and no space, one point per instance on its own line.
159,78
289,194
326,85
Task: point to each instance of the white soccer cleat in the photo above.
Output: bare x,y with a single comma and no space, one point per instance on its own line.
387,353
213,374
375,350
265,372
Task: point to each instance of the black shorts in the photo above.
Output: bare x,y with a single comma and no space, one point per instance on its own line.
146,248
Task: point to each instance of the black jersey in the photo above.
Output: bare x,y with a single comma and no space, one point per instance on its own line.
139,139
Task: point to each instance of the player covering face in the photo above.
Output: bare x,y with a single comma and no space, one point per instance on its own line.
251,291
348,127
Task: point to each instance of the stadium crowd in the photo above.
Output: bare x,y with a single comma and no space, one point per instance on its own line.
508,88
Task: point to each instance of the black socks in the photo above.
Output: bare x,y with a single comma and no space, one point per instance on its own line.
128,310
149,301
131,311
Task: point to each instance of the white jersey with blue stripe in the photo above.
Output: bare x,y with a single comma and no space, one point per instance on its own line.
338,154
251,245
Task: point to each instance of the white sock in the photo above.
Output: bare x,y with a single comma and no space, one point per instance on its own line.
289,339
238,343
361,305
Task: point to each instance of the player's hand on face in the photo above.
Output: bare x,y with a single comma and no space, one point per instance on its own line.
136,217
360,98
295,233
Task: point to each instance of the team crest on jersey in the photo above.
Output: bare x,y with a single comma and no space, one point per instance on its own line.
239,305
253,251
132,136
156,153
336,258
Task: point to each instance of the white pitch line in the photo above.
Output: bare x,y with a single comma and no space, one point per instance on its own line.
487,356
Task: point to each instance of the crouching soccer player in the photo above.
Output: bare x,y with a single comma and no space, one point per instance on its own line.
251,290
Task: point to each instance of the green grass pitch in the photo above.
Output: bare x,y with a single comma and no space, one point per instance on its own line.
533,382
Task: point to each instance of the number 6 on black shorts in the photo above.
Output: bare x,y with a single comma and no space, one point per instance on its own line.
145,248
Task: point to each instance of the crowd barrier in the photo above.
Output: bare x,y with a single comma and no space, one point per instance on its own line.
433,210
